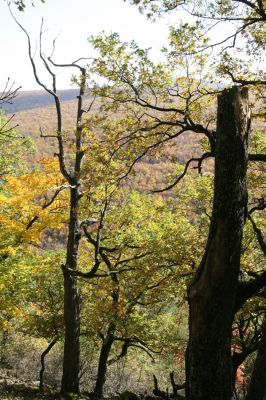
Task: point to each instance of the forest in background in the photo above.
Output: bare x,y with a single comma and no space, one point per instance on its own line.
124,214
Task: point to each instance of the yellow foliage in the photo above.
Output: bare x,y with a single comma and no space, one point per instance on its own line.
25,205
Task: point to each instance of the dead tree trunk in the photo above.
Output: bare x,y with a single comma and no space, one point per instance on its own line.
71,363
212,294
71,172
72,298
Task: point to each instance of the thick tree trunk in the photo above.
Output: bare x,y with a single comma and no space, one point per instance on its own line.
71,363
212,294
257,387
103,360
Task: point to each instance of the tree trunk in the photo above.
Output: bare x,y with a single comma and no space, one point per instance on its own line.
43,355
212,293
103,359
71,363
257,387
110,336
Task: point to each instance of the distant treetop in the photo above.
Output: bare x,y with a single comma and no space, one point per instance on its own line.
21,4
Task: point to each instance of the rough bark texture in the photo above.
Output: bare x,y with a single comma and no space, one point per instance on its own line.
257,388
212,294
72,298
71,363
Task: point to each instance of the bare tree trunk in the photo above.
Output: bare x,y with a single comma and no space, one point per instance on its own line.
212,294
71,173
257,387
72,300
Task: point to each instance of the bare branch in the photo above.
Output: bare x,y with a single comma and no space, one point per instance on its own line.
257,157
260,206
52,92
199,160
244,82
92,275
6,131
258,231
47,204
9,93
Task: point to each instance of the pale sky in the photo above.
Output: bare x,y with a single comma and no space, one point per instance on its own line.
74,21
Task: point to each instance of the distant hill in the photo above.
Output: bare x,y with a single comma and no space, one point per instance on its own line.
35,113
27,100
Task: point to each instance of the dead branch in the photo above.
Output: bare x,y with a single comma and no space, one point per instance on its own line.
165,394
9,92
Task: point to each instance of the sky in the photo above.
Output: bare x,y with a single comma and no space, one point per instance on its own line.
71,22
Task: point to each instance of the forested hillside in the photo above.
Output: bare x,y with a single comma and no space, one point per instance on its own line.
132,215
37,120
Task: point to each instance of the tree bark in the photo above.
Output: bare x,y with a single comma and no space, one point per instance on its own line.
212,294
257,387
72,300
103,360
110,336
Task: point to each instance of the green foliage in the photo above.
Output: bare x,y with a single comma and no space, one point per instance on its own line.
31,295
159,102
155,246
122,63
145,246
244,44
21,4
11,142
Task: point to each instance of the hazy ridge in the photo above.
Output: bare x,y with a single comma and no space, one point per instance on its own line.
26,100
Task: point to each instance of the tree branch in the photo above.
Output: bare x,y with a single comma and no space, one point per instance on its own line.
258,232
181,176
257,157
246,290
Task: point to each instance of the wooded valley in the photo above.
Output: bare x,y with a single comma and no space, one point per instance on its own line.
132,215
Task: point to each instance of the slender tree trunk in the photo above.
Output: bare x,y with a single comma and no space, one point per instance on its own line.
212,294
103,360
257,387
110,335
72,300
43,355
